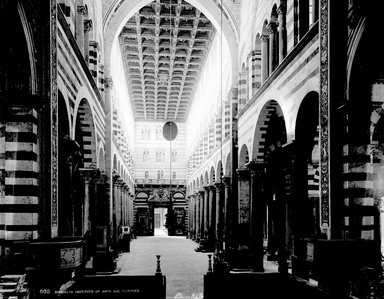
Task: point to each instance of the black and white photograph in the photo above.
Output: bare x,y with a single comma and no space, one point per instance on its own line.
191,149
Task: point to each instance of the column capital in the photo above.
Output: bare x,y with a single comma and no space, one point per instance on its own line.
120,183
82,9
115,178
282,9
243,174
218,186
87,173
264,38
88,25
108,82
206,187
256,168
226,181
272,27
93,174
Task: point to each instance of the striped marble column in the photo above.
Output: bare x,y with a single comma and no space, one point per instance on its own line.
291,25
87,125
256,70
242,89
2,178
19,169
92,60
358,192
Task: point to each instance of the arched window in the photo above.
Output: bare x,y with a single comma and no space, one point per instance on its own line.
174,175
174,156
158,134
158,175
146,155
160,155
162,174
146,176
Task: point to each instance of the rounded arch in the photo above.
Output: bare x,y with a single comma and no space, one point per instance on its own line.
63,98
212,175
307,126
65,152
274,14
101,159
114,163
219,171
270,130
120,12
206,178
228,167
243,156
85,133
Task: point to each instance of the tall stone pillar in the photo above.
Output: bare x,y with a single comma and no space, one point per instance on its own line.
87,174
282,11
226,212
19,166
243,217
114,208
264,58
242,228
191,216
119,204
257,208
212,218
197,217
201,215
81,12
124,201
206,213
272,27
87,28
219,229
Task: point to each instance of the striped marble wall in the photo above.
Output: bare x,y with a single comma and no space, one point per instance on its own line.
19,175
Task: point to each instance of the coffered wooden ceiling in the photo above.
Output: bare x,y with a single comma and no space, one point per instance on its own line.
164,47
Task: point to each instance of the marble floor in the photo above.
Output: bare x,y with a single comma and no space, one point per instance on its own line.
183,267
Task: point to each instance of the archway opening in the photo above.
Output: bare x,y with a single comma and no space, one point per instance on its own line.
307,199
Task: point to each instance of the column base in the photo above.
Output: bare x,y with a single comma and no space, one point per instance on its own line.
104,261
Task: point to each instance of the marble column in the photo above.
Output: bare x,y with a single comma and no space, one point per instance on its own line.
120,203
191,219
87,174
201,215
282,11
272,27
227,211
197,217
114,207
212,217
264,58
219,217
257,207
206,212
243,216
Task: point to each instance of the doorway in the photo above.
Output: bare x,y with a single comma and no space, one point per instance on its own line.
160,221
